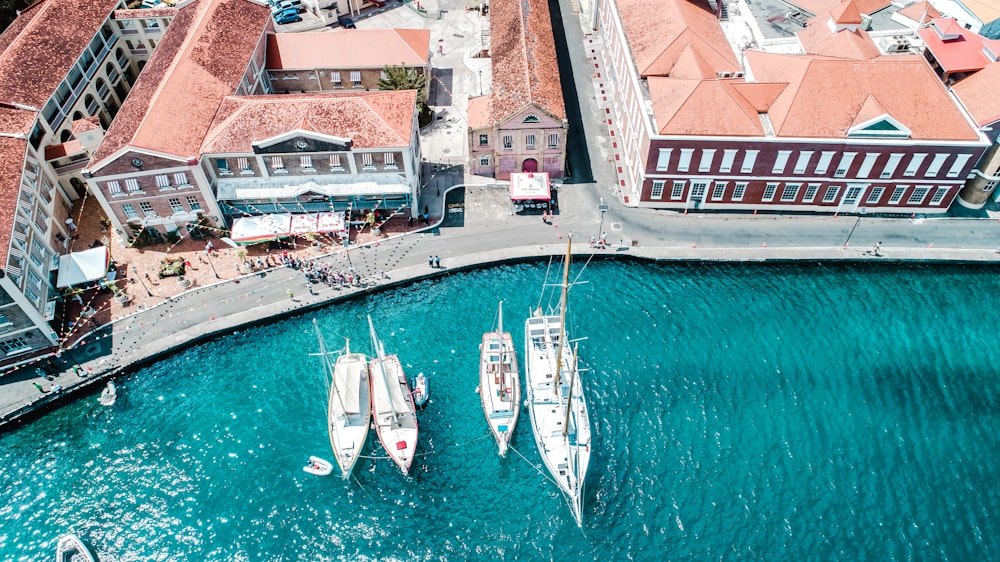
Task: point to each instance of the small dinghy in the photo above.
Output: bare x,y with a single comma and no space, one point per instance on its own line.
71,549
318,467
109,395
420,391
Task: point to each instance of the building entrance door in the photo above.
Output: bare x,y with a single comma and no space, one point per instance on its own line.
530,166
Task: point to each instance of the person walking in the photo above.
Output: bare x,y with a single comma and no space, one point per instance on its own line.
437,262
430,261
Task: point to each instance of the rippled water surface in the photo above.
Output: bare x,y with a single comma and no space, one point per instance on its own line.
740,411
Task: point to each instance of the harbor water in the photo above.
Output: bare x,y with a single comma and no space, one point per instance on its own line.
740,411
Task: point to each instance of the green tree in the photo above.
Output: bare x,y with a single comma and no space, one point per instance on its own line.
402,78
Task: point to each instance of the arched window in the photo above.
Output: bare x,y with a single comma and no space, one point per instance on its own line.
91,104
65,135
102,88
78,115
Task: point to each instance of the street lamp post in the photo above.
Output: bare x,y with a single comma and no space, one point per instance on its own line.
143,283
603,208
212,265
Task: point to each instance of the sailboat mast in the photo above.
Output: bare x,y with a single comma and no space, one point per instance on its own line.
562,315
326,365
503,363
569,395
381,366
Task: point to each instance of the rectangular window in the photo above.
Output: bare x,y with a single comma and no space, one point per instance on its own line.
803,161
718,191
356,78
707,155
508,142
956,167
384,75
181,179
306,162
988,186
769,191
781,161
685,162
810,194
484,140
13,346
845,164
677,191
867,164
163,181
34,279
278,165
335,78
128,210
335,162
917,196
244,164
875,195
663,160
728,156
147,209
739,190
914,165
939,194
831,194
897,195
890,166
484,161
367,162
853,193
193,203
936,164
698,190
529,141
390,160
223,166
114,188
132,185
823,165
553,140
749,159
790,192
657,191
175,205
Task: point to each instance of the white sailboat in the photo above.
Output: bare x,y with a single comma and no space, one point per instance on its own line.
395,413
349,409
499,384
557,407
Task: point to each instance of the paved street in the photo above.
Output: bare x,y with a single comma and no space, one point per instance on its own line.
478,229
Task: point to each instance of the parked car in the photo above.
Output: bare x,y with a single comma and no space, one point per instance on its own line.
289,15
282,5
348,23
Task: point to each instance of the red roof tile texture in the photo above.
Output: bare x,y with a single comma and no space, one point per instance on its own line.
957,49
355,48
702,107
480,111
920,12
524,59
377,119
817,39
200,60
676,38
979,94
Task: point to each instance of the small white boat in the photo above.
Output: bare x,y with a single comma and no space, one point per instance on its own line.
392,405
71,549
420,395
318,467
108,395
499,384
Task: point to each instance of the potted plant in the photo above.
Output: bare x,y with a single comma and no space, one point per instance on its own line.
121,297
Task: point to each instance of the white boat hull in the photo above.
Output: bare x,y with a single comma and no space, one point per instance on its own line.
71,549
318,467
499,386
394,410
349,413
564,447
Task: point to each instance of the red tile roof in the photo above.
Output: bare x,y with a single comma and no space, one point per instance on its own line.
825,96
676,37
817,7
480,112
43,43
524,59
12,152
846,13
957,49
920,12
978,94
818,39
54,151
355,48
376,119
702,107
201,59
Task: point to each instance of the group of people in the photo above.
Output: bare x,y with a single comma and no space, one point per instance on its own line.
327,275
599,243
434,261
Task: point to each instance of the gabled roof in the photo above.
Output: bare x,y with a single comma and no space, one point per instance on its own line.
354,48
376,119
817,7
846,13
525,70
826,96
676,36
201,59
703,107
957,49
921,11
42,44
12,152
818,39
978,93
480,112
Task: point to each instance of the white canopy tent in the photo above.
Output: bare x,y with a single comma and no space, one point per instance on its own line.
529,186
77,268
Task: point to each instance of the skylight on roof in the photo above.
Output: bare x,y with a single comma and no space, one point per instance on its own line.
882,126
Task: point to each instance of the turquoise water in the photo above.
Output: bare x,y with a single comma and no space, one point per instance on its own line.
741,412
